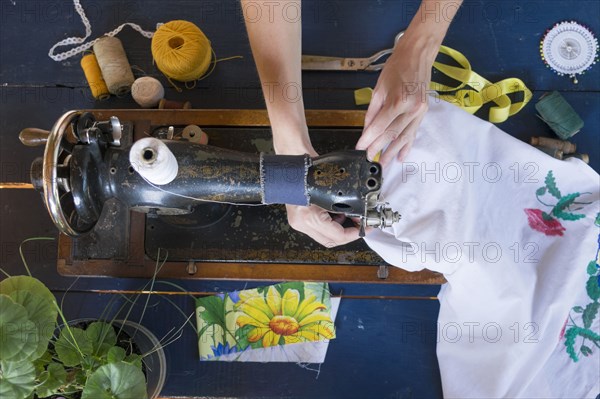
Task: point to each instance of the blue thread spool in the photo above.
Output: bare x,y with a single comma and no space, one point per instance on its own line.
559,115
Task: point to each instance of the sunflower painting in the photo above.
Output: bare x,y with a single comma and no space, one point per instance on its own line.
272,318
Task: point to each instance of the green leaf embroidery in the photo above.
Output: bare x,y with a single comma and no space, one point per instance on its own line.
545,216
551,184
541,191
570,336
564,203
598,219
569,216
592,288
591,268
578,309
585,351
589,314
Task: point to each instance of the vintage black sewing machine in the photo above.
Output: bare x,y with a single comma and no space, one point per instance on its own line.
127,188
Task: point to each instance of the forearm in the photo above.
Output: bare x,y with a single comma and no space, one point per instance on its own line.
430,24
276,42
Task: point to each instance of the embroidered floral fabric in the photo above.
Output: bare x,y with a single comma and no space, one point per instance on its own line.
515,232
290,322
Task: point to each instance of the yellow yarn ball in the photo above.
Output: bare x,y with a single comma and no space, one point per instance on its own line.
181,51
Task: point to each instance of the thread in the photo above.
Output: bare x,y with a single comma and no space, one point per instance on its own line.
153,160
147,91
565,146
94,78
114,65
559,115
181,51
168,104
194,134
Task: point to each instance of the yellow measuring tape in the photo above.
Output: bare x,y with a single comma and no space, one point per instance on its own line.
480,92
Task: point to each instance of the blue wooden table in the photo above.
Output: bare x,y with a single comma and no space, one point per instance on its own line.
386,333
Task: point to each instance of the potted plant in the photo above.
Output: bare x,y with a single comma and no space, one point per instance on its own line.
87,359
44,356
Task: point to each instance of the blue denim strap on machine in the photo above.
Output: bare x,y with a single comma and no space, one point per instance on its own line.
283,179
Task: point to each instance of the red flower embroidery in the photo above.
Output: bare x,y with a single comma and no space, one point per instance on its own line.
550,227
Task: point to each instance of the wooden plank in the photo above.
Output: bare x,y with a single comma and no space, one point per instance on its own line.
231,117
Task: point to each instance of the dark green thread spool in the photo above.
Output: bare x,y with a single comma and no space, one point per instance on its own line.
559,115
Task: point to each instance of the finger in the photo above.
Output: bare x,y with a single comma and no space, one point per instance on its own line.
339,218
402,146
382,120
393,133
374,107
333,234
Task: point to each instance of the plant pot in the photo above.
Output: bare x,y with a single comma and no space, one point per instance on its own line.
155,363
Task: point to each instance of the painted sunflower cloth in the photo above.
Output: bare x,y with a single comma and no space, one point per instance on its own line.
287,322
515,233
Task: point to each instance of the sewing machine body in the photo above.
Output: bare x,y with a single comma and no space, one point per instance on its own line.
213,240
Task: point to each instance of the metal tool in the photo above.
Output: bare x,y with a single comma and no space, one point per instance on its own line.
321,63
86,163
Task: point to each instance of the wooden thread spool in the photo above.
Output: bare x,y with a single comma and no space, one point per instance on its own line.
168,104
584,157
194,134
114,65
565,146
94,78
147,91
553,152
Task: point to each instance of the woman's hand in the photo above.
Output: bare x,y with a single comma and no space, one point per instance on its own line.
399,100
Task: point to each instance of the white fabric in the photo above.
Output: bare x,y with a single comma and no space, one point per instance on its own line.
462,193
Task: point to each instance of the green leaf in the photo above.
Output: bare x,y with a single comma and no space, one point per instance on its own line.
18,335
589,314
597,222
41,362
102,336
42,313
545,216
577,309
72,345
295,285
570,336
212,310
115,354
592,269
541,191
134,359
585,351
53,378
565,202
241,336
569,216
26,283
593,290
116,381
17,379
551,184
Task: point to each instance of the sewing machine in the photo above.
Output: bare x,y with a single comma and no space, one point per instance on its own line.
208,217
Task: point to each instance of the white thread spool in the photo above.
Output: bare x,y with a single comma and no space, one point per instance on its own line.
114,65
153,160
147,91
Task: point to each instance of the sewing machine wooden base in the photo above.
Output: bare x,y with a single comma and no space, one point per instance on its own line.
222,242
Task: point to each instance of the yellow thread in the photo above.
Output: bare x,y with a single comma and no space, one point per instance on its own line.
181,51
93,75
